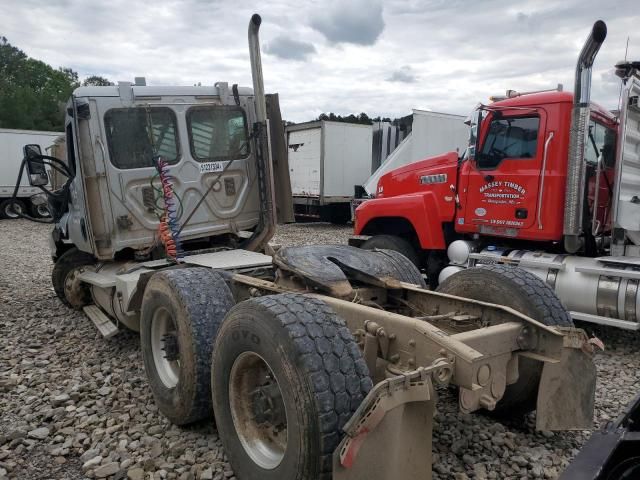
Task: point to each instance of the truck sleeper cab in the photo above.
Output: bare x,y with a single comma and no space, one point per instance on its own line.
112,135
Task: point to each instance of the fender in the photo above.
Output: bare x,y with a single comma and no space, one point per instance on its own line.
423,210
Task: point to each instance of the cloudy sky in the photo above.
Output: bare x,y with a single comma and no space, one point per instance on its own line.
348,56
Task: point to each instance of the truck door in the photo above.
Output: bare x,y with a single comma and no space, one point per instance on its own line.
502,183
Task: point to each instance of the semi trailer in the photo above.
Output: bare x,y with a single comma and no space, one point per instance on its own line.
326,160
548,184
11,143
310,358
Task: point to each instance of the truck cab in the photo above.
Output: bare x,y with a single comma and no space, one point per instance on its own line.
512,187
112,135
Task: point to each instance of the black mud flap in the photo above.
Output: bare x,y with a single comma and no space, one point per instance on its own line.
330,267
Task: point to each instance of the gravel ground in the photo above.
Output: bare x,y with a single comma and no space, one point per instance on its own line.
73,405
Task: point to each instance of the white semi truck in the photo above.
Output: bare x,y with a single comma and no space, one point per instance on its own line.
11,143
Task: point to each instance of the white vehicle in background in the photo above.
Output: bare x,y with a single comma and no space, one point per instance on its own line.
11,155
326,160
431,134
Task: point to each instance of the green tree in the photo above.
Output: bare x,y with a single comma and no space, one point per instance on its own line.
97,81
32,93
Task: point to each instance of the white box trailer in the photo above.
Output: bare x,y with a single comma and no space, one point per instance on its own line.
432,133
11,154
326,160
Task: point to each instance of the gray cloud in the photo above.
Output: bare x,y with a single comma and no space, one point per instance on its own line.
461,51
358,21
404,74
289,48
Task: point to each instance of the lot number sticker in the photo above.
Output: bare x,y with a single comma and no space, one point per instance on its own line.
211,167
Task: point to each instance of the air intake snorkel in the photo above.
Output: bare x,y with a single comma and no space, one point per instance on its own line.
575,188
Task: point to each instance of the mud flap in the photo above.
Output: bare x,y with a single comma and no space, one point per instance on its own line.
566,395
389,436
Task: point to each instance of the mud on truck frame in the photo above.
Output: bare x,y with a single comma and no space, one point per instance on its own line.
311,358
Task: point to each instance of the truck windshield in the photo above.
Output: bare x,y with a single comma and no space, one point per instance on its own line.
509,137
136,135
217,133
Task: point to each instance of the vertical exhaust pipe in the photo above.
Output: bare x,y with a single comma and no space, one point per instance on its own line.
267,225
574,193
256,68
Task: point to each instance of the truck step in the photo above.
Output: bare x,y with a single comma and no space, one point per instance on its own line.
102,322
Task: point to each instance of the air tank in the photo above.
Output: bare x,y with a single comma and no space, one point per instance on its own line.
585,285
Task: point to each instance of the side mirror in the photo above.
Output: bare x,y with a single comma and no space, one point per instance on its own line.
35,167
474,121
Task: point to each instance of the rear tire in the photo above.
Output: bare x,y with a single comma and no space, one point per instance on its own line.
392,242
181,312
526,293
40,211
301,346
71,291
6,210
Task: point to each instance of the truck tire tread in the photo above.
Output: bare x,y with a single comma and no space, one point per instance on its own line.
64,264
526,293
393,242
405,268
204,299
339,377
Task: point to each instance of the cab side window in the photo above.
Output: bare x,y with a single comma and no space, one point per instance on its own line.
217,133
601,141
509,137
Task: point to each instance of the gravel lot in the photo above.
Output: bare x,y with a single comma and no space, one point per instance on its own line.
73,405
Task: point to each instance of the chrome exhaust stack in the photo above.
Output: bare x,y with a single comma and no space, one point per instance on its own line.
574,192
256,68
267,226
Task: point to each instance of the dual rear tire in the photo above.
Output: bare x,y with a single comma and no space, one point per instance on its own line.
181,314
281,373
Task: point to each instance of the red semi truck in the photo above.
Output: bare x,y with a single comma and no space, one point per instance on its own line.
549,182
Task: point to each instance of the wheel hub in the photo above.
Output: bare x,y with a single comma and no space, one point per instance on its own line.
258,410
74,290
165,348
170,347
268,406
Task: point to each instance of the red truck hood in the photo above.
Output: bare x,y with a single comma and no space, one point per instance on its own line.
419,176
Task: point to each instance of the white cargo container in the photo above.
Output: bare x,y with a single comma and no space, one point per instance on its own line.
326,160
432,133
11,144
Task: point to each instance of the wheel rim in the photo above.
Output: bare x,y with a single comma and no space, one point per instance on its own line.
164,347
9,210
43,211
74,290
257,410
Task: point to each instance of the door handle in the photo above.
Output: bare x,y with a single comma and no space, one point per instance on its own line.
489,178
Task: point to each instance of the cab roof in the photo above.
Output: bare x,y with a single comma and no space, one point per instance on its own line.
546,98
156,91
